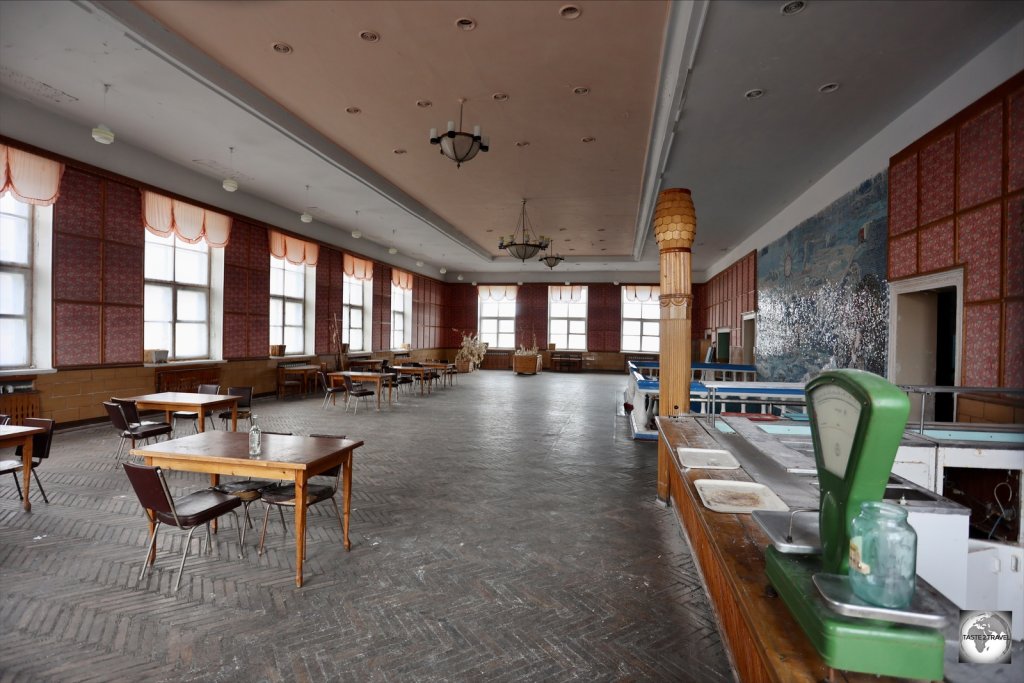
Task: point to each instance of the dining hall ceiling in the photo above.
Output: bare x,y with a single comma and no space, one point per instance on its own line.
588,113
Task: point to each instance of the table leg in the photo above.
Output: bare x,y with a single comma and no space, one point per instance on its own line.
234,416
347,498
300,525
202,418
380,389
26,471
214,480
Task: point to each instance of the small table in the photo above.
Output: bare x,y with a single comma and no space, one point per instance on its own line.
12,436
170,401
416,371
446,370
366,363
308,373
292,458
359,376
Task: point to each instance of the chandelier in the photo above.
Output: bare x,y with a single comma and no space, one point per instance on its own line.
551,259
523,244
457,145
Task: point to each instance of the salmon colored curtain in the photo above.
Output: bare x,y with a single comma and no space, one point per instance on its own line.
293,249
570,294
164,216
497,292
641,293
30,178
401,279
356,267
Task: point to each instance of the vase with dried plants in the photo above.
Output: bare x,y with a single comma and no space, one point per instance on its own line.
471,352
337,348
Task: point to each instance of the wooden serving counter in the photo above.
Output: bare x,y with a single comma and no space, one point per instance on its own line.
764,642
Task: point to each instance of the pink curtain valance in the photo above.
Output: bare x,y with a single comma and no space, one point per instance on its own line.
497,292
401,279
641,293
569,294
32,179
164,216
292,249
356,267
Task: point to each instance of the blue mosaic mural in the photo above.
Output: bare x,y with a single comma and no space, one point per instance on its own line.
822,297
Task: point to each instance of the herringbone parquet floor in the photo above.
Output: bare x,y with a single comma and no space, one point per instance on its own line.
503,530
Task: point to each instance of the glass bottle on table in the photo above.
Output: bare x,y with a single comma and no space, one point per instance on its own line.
883,555
255,437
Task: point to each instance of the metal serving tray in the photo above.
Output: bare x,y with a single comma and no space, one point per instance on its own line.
707,458
928,608
794,532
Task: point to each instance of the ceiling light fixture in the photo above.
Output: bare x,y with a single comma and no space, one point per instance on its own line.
443,270
101,133
523,244
828,87
581,90
588,139
392,250
424,104
522,143
370,36
305,216
356,234
459,278
419,264
551,259
500,97
570,12
466,24
282,48
754,93
794,7
353,110
230,184
457,145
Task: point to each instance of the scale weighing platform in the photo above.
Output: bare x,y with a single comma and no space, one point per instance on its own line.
857,420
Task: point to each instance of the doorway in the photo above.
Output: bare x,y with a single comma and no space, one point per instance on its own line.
924,340
749,335
722,345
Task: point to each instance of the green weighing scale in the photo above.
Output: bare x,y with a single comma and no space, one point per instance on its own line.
857,421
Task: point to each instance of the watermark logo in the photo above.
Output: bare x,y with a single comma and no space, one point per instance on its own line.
985,637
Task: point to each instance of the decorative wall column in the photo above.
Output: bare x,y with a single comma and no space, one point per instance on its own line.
675,225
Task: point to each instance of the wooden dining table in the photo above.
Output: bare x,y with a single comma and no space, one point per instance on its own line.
445,370
12,436
416,371
307,371
377,378
171,401
291,458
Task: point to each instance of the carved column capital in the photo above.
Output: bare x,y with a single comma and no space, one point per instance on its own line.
676,306
675,221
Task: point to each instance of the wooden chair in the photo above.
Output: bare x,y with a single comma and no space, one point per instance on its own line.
128,431
188,512
211,389
244,406
247,490
354,392
40,451
283,495
330,393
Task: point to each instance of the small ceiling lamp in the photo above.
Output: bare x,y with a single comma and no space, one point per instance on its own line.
443,270
523,244
229,183
457,145
551,259
101,133
305,216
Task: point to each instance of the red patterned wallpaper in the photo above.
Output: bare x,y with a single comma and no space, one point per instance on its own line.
247,292
722,300
428,321
329,281
971,197
381,323
604,317
532,314
459,314
98,258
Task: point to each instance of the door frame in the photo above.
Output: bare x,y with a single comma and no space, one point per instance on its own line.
947,278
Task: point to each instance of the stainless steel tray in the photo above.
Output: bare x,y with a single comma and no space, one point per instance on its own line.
741,497
707,458
928,608
794,532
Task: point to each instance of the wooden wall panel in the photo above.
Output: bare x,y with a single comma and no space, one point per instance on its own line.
721,301
955,200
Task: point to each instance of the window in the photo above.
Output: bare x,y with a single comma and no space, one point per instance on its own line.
16,237
641,319
177,299
287,305
498,324
567,318
401,312
353,313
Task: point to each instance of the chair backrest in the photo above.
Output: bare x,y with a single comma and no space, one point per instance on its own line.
131,411
150,487
5,419
209,389
335,471
40,442
324,384
348,383
117,416
245,393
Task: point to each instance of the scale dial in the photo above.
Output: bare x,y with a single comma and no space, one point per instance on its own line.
837,414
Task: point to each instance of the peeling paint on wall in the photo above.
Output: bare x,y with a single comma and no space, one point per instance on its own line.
823,299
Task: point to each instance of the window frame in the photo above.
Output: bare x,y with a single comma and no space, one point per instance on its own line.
653,305
494,339
366,289
570,319
177,287
27,271
401,334
287,266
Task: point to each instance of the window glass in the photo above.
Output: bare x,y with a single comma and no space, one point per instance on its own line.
16,274
567,322
352,313
177,297
288,305
641,323
497,324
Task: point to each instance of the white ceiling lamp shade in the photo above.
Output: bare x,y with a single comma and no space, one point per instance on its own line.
230,184
443,270
392,250
306,216
523,244
457,145
101,133
551,259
